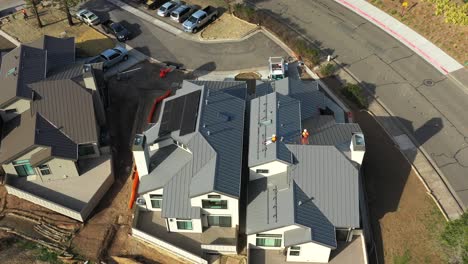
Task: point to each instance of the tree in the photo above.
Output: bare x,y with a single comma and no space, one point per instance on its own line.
33,4
65,5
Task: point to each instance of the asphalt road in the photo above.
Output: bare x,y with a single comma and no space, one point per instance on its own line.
164,46
433,110
9,5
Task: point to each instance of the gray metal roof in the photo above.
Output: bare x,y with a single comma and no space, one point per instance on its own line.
268,209
20,67
215,162
60,51
234,88
331,179
334,135
67,105
176,200
272,114
307,92
27,131
163,167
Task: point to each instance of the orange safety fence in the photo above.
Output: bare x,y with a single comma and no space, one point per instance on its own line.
136,181
155,104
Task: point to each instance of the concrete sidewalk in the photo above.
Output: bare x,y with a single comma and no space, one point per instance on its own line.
423,47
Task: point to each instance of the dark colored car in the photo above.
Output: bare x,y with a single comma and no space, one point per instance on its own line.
119,31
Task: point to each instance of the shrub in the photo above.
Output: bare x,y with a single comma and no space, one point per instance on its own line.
455,238
355,94
244,12
327,69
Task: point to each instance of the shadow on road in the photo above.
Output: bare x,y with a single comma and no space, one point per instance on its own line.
385,169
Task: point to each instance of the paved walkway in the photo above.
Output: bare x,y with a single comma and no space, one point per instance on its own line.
430,52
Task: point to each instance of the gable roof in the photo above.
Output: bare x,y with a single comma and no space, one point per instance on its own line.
272,114
27,131
68,106
60,51
20,67
213,161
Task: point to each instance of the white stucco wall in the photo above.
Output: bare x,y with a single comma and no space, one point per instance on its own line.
251,239
310,252
20,105
141,158
273,168
232,208
10,169
148,200
196,225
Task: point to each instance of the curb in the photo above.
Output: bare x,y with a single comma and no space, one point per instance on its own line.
459,210
428,190
415,41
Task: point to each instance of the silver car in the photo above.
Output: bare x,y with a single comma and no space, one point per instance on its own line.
110,57
88,17
167,8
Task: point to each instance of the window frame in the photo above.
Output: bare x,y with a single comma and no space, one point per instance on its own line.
295,249
156,198
278,240
17,164
44,167
206,204
262,171
84,147
184,221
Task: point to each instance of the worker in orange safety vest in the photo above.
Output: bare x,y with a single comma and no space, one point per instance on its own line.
305,134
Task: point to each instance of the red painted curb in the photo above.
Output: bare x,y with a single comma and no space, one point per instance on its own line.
403,39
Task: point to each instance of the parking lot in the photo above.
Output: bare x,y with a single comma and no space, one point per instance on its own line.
167,47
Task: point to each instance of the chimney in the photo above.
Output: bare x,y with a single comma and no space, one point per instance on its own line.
141,154
357,147
88,77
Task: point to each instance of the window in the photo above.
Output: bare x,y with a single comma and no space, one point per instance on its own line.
214,196
156,200
44,169
86,149
268,240
216,220
23,168
184,224
9,111
262,171
214,204
113,56
294,251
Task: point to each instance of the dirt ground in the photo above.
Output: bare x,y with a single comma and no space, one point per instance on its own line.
406,222
107,231
227,26
453,39
88,41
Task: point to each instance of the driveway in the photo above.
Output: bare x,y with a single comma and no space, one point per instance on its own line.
163,46
410,87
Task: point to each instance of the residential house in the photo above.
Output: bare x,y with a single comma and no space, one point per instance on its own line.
190,167
52,152
303,193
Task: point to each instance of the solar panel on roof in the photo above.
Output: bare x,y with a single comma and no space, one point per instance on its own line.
180,113
189,116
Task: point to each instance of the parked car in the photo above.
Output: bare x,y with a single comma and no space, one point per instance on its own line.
153,4
110,57
199,19
167,8
88,17
181,13
119,31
